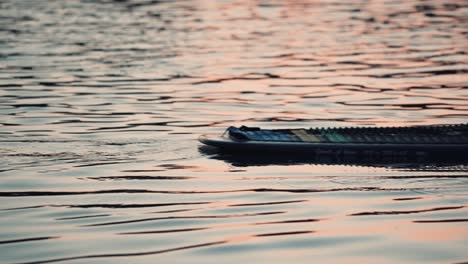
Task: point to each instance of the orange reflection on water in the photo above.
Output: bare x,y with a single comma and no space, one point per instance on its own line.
239,239
432,232
399,229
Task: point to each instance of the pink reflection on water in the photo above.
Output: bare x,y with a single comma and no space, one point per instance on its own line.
432,232
398,229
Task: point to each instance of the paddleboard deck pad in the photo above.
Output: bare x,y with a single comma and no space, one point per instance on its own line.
441,139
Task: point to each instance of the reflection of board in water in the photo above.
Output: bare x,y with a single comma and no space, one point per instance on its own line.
414,146
420,161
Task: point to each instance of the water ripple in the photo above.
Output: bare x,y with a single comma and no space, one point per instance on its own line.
102,101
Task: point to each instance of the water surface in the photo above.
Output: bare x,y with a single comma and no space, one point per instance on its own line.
101,104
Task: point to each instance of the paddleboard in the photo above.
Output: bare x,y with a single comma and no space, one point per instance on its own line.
441,139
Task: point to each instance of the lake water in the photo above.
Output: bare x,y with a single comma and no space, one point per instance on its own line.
102,102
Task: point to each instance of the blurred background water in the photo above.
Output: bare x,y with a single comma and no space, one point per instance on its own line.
101,104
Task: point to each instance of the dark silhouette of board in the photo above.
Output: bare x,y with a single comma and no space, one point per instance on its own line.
449,140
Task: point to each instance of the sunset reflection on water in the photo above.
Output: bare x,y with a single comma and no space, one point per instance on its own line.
102,102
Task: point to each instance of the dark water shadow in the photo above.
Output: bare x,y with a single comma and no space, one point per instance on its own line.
409,160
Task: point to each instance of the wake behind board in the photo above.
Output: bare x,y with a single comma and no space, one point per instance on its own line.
448,140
